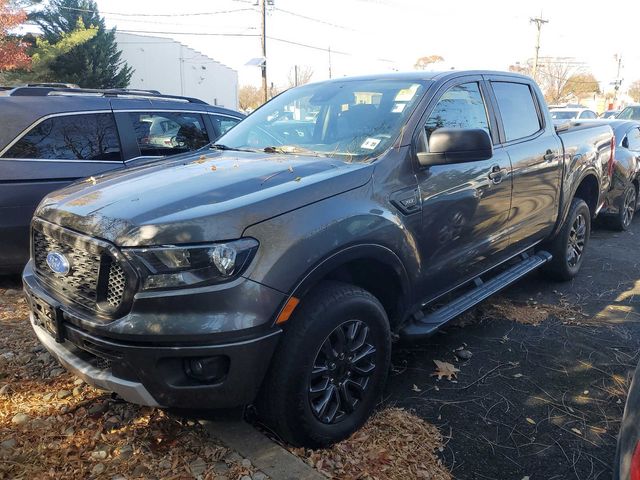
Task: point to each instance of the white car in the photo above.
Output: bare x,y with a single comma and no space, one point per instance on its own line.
562,115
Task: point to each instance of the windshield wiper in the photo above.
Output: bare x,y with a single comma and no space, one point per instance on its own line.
292,149
219,146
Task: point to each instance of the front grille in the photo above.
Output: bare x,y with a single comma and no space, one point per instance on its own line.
96,281
116,285
81,284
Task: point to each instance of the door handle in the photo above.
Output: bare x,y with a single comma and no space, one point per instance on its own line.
495,175
549,155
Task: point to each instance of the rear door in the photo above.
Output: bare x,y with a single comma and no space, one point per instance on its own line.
51,154
536,155
465,205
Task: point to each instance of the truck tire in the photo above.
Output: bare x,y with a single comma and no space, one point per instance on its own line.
329,369
568,246
627,208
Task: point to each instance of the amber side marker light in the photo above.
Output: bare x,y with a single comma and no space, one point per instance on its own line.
286,312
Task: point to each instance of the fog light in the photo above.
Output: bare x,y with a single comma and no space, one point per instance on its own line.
207,369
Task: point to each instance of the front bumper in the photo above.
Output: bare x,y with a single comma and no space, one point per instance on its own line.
154,369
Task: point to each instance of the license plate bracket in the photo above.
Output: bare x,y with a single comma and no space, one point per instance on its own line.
50,317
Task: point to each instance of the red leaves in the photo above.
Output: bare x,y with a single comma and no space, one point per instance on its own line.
12,51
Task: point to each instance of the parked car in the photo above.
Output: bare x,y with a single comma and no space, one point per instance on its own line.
631,112
562,115
609,114
621,201
277,268
627,460
53,136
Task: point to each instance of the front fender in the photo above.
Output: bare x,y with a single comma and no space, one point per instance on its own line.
300,247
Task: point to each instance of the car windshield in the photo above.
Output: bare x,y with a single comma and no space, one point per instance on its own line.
564,114
354,119
630,113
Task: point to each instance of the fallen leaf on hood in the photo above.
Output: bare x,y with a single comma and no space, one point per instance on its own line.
213,168
91,180
444,369
416,388
531,421
297,179
575,430
290,168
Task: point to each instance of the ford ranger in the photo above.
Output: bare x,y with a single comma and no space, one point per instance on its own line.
277,266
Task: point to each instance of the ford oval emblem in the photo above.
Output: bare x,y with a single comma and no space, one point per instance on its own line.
58,263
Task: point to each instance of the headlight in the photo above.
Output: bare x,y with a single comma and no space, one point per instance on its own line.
179,266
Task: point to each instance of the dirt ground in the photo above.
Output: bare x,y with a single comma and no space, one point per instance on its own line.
543,393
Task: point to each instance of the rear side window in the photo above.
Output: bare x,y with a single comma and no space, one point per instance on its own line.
70,137
168,133
461,106
633,139
223,124
588,114
519,115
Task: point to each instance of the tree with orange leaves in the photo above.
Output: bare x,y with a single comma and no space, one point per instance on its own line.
13,53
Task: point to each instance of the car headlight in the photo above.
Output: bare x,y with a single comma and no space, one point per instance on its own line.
180,266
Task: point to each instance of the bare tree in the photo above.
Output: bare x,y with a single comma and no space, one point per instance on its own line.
563,79
302,76
249,97
634,91
423,63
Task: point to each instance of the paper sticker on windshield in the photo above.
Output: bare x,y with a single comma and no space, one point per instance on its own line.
398,107
370,143
406,94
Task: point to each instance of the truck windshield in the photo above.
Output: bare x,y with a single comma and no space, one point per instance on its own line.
354,119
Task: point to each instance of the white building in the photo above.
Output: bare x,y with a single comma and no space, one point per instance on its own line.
172,68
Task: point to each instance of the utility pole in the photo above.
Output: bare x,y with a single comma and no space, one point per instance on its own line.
539,21
329,61
295,69
618,82
263,16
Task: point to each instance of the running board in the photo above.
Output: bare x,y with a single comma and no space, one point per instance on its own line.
425,325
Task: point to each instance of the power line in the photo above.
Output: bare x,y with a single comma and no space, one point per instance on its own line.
317,20
207,34
85,10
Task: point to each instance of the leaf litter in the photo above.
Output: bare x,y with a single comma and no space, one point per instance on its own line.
53,425
394,444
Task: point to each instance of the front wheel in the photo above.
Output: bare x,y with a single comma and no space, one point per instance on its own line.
330,367
569,244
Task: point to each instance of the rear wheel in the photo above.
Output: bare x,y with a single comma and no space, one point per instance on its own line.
626,210
330,367
569,244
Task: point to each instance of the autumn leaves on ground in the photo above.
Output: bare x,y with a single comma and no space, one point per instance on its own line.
52,425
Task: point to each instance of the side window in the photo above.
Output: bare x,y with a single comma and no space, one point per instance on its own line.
223,124
588,114
461,106
71,137
633,139
168,133
517,109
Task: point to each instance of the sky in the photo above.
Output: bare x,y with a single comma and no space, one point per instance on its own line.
369,36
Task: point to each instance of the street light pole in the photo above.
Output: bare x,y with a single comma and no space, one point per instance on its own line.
263,16
539,22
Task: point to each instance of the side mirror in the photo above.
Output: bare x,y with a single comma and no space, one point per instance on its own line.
456,145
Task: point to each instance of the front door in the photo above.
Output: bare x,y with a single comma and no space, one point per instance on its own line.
465,206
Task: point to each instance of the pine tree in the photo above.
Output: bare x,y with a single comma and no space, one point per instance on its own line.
94,64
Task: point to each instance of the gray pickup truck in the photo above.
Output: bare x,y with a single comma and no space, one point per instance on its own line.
277,266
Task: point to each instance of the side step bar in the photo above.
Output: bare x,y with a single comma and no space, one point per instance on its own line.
428,324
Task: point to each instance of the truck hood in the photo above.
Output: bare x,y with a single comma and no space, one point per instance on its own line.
197,197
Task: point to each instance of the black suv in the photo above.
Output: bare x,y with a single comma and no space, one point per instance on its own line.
53,136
